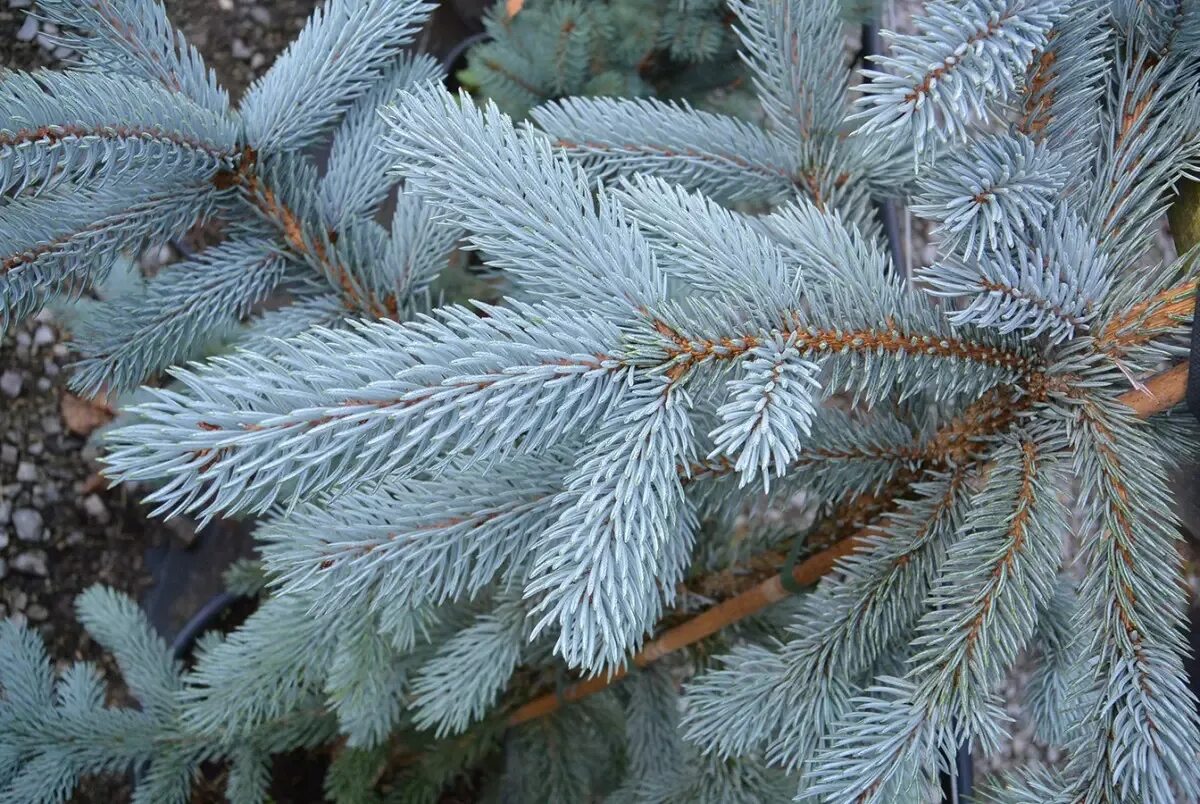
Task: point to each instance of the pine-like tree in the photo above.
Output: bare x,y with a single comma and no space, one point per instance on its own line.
139,144
541,50
466,508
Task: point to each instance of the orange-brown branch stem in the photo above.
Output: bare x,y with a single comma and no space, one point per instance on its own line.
1161,392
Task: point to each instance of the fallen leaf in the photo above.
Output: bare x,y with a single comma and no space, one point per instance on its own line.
82,416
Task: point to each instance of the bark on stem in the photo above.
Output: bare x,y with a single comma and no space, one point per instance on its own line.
1160,392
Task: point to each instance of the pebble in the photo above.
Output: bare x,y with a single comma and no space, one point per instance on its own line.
240,49
75,538
37,612
4,538
44,336
5,518
8,453
50,368
36,448
20,3
32,562
257,60
28,524
28,30
26,472
184,530
18,600
44,384
260,15
51,425
95,508
10,383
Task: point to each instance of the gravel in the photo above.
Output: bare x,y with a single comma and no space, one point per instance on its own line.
54,543
28,525
95,508
11,383
31,562
28,30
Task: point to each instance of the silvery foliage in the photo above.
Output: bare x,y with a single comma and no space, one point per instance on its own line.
486,499
137,144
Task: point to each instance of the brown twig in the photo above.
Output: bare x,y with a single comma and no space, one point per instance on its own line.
1160,392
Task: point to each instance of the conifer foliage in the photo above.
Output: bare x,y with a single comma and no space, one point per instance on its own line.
538,50
138,144
469,507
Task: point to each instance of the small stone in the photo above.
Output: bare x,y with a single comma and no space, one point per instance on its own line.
260,15
75,538
36,448
46,41
62,53
43,384
20,3
43,336
32,562
94,506
257,60
8,453
28,524
26,472
240,49
24,339
4,538
28,30
37,612
60,350
225,5
5,518
50,368
10,383
18,600
184,530
51,425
